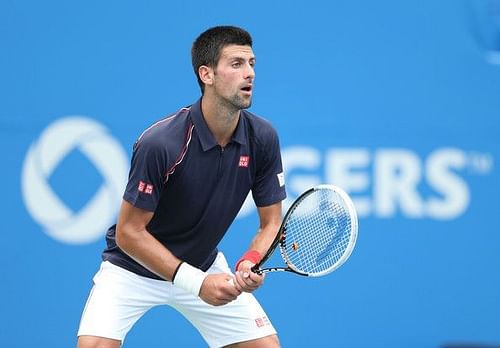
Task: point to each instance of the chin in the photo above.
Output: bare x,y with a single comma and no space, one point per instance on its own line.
247,105
241,104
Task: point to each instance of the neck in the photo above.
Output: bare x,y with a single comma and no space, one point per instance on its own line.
222,119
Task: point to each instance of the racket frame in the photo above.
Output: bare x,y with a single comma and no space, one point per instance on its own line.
281,236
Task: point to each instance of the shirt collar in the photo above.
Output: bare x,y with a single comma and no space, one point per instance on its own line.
205,135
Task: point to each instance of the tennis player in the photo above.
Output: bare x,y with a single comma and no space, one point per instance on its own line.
189,176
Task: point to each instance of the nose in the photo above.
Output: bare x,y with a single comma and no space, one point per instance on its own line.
249,72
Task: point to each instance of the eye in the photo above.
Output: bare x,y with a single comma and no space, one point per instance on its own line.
236,64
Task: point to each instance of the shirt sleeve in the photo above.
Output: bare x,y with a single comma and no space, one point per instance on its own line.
147,173
269,185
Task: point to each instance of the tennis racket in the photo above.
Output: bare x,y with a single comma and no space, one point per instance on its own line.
317,235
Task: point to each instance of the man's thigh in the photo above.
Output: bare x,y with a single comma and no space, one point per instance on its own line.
117,300
97,342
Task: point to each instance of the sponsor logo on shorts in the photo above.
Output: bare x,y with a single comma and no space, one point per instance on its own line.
261,322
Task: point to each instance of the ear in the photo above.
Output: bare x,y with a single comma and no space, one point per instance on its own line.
206,74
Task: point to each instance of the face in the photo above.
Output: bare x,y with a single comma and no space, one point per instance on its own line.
234,76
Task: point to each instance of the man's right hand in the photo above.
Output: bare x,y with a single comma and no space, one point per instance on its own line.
218,289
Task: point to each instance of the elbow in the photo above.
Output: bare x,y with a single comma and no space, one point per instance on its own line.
122,237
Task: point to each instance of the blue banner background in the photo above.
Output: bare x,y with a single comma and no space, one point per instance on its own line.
390,84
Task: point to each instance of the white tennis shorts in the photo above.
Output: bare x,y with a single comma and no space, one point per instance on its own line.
119,298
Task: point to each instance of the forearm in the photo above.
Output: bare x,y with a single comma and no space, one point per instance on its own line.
215,289
270,222
147,251
264,238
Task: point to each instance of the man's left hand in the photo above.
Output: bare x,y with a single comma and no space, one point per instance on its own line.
246,280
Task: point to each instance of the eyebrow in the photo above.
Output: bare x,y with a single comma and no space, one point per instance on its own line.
241,59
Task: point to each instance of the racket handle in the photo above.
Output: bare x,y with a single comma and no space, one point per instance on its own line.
256,269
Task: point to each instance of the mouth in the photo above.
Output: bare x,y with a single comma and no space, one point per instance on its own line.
247,89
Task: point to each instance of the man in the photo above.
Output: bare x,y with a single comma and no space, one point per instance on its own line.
190,175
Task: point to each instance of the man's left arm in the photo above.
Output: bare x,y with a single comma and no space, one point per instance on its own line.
270,221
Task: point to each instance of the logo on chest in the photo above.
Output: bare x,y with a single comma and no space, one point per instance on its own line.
244,161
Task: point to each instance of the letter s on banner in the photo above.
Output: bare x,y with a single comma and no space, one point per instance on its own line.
454,191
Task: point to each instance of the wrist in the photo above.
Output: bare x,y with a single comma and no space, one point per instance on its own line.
251,255
189,278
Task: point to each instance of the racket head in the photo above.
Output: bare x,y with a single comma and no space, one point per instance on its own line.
319,231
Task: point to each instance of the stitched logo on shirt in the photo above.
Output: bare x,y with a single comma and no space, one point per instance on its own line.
141,186
146,188
244,161
281,179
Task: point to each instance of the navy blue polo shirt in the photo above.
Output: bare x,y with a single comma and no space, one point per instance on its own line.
194,186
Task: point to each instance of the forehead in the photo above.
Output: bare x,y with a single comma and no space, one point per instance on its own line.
237,51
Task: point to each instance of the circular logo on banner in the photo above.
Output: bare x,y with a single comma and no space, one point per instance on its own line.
102,150
485,16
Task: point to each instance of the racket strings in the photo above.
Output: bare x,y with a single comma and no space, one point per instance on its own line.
318,233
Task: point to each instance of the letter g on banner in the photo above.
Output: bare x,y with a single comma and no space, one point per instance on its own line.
43,157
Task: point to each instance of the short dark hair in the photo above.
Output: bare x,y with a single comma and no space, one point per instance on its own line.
208,46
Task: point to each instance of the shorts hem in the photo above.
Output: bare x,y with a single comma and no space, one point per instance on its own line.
242,338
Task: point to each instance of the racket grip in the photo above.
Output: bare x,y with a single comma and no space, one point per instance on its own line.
256,269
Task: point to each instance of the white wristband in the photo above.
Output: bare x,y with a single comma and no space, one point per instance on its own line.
189,278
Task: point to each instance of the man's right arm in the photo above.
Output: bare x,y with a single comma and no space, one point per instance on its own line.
134,239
